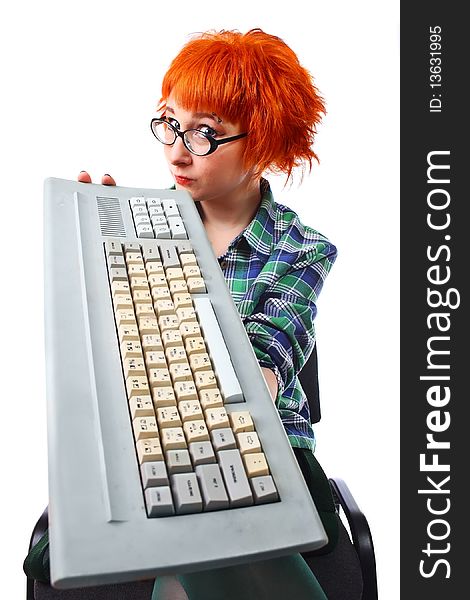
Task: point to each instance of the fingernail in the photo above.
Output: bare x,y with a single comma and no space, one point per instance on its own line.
107,175
82,171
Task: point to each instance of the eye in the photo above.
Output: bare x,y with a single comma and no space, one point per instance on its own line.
171,121
207,130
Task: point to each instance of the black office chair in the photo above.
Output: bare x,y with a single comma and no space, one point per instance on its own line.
345,572
357,577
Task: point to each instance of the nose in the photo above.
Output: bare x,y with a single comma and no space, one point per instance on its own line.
178,154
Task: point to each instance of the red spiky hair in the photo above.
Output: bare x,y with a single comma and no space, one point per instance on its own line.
256,80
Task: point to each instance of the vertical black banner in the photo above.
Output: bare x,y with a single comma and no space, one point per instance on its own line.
435,361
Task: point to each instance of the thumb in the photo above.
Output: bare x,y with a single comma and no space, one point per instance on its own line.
107,180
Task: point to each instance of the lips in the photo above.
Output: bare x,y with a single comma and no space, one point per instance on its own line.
182,180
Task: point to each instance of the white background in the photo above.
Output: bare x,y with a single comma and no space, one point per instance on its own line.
80,82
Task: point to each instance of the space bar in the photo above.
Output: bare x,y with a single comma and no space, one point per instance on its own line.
218,351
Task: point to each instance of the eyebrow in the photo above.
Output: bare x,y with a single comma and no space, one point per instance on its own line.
199,115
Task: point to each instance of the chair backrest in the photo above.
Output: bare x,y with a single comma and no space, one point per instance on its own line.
309,380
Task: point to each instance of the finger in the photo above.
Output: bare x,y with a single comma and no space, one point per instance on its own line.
107,180
84,177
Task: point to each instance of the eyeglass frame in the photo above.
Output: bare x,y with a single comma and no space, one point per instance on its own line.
214,144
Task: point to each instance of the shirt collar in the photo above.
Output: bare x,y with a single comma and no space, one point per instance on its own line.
259,233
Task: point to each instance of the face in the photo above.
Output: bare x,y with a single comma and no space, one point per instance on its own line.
219,175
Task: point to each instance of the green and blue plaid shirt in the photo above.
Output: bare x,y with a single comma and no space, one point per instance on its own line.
275,270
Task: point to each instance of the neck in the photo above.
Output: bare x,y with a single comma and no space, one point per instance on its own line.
225,218
235,210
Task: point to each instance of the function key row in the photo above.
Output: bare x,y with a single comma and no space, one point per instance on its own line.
157,218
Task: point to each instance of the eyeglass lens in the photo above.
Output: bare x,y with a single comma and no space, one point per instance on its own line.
194,140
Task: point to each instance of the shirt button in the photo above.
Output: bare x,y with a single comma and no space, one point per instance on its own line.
223,264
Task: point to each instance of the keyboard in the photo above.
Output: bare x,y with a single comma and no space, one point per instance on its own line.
166,452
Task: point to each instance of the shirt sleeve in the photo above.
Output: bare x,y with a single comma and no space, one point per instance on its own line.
281,328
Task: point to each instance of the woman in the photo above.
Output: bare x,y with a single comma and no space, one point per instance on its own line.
249,94
234,107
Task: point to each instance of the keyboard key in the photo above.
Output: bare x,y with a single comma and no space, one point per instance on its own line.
187,259
159,377
151,342
196,285
130,349
143,310
178,286
137,385
128,332
173,438
159,502
205,380
186,493
159,219
218,351
196,431
120,287
149,449
171,208
185,390
155,211
152,254
210,398
184,248
168,416
255,464
217,418
133,366
148,325
154,474
123,302
145,427
163,396
264,489
169,321
118,274
178,461
139,210
174,274
202,453
176,354
113,248
212,487
162,232
191,270
195,345
248,442
180,372
152,202
200,362
124,317
170,257
144,231
241,421
190,410
116,261
191,329
178,231
141,406
186,314
155,359
137,201
223,439
182,300
235,478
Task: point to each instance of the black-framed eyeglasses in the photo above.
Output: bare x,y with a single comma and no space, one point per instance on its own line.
196,141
